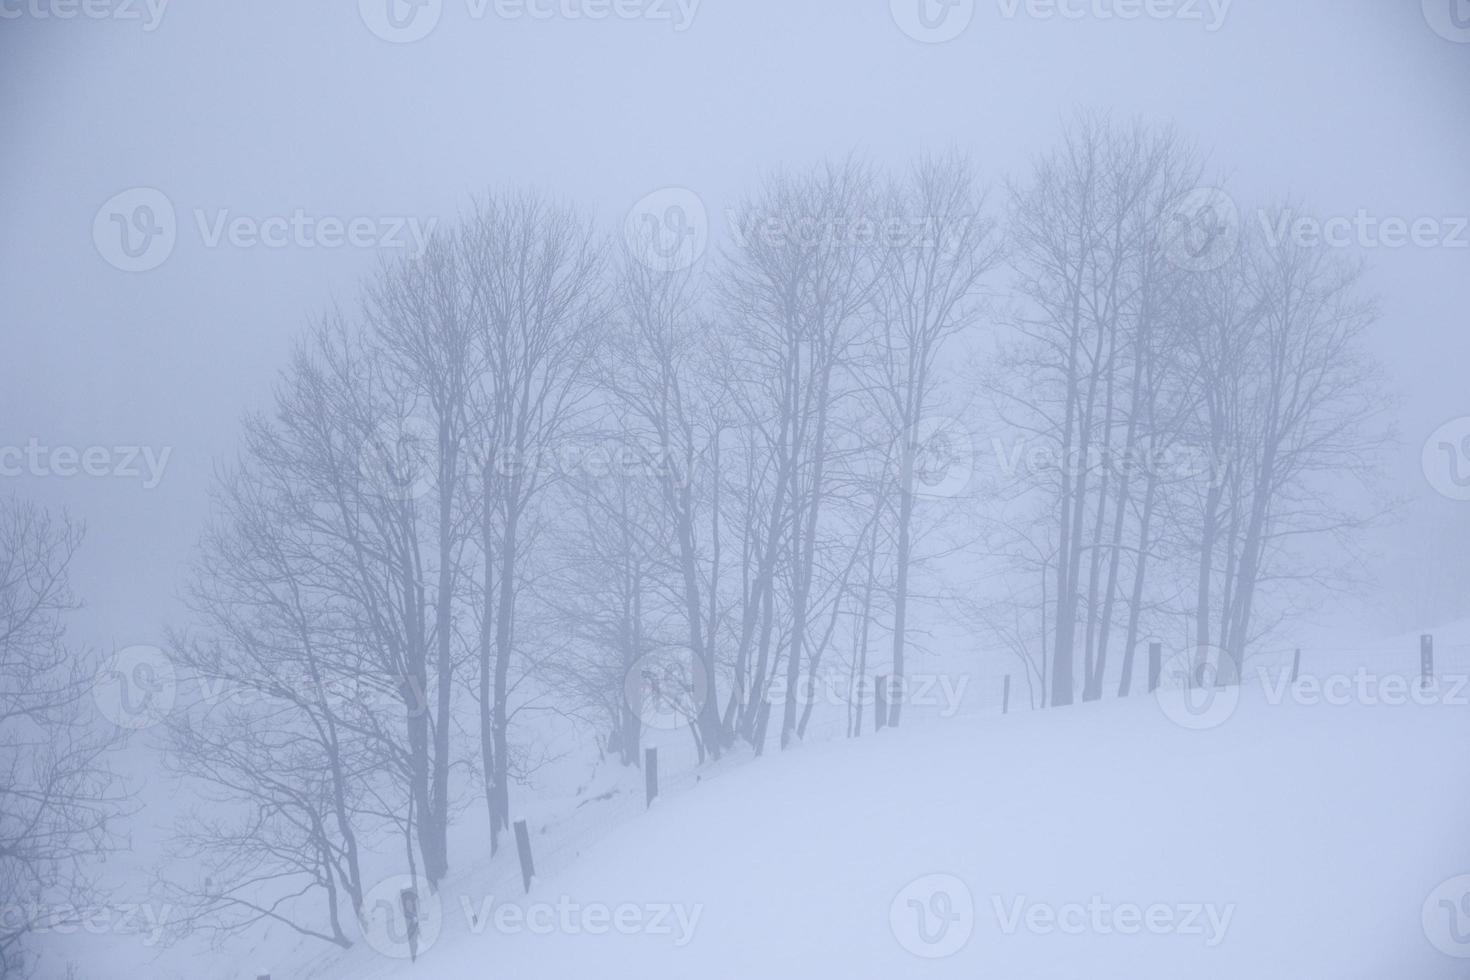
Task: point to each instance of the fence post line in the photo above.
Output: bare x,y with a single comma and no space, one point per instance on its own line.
1155,665
880,703
1426,660
523,850
650,775
1005,698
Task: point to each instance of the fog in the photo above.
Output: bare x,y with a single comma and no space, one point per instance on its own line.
194,189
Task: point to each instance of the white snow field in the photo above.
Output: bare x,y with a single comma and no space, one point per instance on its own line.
1294,838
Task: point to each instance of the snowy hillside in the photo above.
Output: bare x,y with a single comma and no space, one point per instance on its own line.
1102,841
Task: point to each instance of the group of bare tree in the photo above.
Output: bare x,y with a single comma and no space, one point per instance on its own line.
366,569
1199,397
535,472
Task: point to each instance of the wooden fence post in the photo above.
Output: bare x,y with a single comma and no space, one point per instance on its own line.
1426,660
409,899
1005,699
1155,665
650,775
880,703
523,849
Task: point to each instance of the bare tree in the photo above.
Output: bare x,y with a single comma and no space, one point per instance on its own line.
1092,282
57,793
1305,407
420,317
661,376
927,295
613,591
352,465
287,742
794,287
534,272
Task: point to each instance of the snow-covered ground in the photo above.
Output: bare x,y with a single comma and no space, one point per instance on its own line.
1273,831
1292,840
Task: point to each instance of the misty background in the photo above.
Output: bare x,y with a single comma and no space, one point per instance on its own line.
263,109
269,110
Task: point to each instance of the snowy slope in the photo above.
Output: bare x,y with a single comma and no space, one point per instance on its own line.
1291,840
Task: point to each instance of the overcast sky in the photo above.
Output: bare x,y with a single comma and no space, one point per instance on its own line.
274,109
